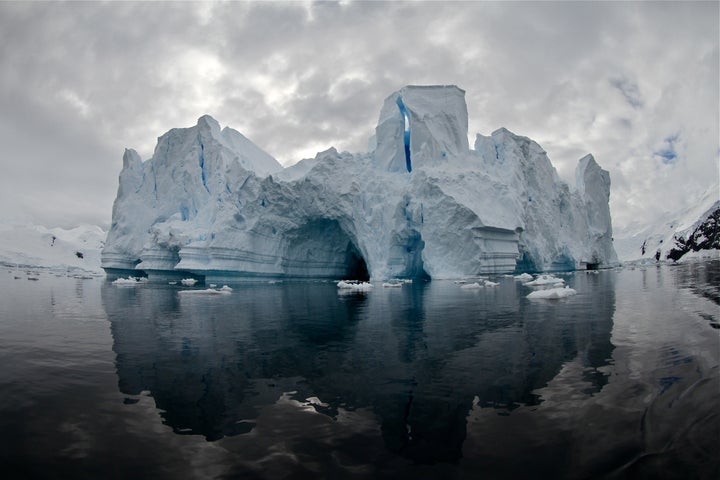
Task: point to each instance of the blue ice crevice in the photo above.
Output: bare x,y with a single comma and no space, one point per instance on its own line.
406,133
202,166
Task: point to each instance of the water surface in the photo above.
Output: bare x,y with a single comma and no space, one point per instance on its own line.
293,380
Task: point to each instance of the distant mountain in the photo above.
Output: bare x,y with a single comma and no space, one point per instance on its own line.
688,233
76,250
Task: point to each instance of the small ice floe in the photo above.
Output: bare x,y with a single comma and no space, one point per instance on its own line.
524,277
354,286
172,283
471,286
553,293
460,282
488,283
544,280
130,281
392,284
188,282
224,290
316,401
212,285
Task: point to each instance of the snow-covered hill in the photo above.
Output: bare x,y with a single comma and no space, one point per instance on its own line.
73,251
688,233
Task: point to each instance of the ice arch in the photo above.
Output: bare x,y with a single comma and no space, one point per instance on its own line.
322,248
406,133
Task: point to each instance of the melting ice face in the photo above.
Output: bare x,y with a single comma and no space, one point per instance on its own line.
406,135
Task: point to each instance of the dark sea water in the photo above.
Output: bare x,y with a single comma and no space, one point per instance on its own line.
292,380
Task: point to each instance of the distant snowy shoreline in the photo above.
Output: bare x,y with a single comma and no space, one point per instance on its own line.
73,251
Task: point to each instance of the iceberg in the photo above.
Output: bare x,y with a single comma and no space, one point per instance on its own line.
553,293
420,204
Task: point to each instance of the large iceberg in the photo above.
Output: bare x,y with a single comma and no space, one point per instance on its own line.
420,203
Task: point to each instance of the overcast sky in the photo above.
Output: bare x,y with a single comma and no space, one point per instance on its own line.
635,84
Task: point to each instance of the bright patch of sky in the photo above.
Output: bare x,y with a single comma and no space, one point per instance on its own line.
635,84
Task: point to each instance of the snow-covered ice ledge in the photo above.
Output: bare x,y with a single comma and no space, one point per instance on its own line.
421,203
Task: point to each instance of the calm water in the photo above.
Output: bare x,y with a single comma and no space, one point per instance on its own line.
429,381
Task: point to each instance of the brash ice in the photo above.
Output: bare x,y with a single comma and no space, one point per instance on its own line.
420,203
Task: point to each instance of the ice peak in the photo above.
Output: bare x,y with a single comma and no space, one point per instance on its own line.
207,120
589,172
130,157
421,125
208,128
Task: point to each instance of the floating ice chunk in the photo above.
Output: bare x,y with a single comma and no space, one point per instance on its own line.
460,282
471,286
212,285
488,283
545,280
392,284
188,282
316,401
553,293
354,286
225,290
129,281
524,277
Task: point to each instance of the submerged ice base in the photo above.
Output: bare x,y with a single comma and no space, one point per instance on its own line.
421,203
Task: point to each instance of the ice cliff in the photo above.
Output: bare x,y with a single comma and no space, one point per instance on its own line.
420,203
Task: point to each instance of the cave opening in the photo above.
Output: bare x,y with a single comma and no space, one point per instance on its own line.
356,266
321,248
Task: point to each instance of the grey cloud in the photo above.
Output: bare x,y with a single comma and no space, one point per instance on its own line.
629,90
577,77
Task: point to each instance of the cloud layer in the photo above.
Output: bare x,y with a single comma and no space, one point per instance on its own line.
636,84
